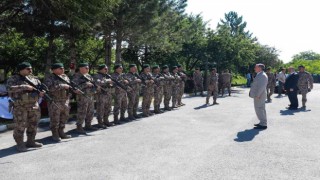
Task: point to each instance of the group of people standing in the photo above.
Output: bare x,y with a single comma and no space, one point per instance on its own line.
119,88
292,84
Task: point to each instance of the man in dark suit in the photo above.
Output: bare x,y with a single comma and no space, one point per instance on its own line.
291,87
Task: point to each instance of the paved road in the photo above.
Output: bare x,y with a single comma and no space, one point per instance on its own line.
194,142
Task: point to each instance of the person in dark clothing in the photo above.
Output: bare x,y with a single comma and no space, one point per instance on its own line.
291,87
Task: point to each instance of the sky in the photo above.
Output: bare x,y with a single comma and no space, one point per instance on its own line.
290,26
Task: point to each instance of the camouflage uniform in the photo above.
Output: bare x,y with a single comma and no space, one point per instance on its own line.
167,89
26,111
85,104
305,83
198,82
176,89
225,82
147,92
212,87
120,98
133,96
61,97
103,98
182,84
158,91
271,85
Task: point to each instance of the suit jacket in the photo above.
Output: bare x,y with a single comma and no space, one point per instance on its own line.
259,86
292,82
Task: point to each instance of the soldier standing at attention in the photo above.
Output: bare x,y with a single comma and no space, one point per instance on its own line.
59,91
305,84
158,88
198,82
26,110
175,87
226,81
135,84
85,102
213,86
104,96
167,90
183,77
271,84
120,96
148,90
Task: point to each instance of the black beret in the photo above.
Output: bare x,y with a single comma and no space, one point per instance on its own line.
301,66
57,65
155,67
132,65
145,66
23,65
117,66
179,66
174,67
83,64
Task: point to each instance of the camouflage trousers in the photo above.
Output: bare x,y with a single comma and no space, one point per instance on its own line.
85,109
120,104
198,86
175,95
212,92
147,99
224,86
304,91
59,116
133,104
104,103
158,95
270,91
167,92
25,117
181,92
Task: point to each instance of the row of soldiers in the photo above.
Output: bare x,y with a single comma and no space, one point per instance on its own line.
123,89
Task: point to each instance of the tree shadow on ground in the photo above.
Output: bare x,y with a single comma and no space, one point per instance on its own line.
247,135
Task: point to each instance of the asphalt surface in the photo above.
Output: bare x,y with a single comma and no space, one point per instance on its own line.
193,142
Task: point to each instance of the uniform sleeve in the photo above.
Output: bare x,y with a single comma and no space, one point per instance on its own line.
310,81
52,84
79,82
12,87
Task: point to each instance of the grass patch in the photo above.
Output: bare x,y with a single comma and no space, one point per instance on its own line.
238,80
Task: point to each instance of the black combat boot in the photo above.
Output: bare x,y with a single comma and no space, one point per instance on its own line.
63,135
55,135
31,142
80,130
21,147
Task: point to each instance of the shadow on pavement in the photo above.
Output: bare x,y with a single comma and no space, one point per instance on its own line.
292,112
247,135
202,106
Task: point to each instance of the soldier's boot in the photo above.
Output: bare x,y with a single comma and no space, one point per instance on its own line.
145,113
131,117
116,120
122,118
135,115
89,127
21,147
101,124
107,123
63,135
31,143
215,101
158,107
80,130
156,110
55,135
167,108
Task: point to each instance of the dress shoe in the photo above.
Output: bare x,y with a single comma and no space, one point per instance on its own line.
260,127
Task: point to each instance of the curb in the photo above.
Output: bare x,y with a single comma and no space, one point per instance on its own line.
3,128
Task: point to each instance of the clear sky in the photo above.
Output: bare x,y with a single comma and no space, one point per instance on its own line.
291,26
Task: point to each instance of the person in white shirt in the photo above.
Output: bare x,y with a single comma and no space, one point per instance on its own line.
281,77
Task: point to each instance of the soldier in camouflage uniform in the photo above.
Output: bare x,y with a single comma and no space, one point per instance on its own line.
271,84
167,89
175,87
198,82
133,96
158,88
226,81
182,84
305,84
147,91
213,86
85,103
26,110
104,96
59,92
120,96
